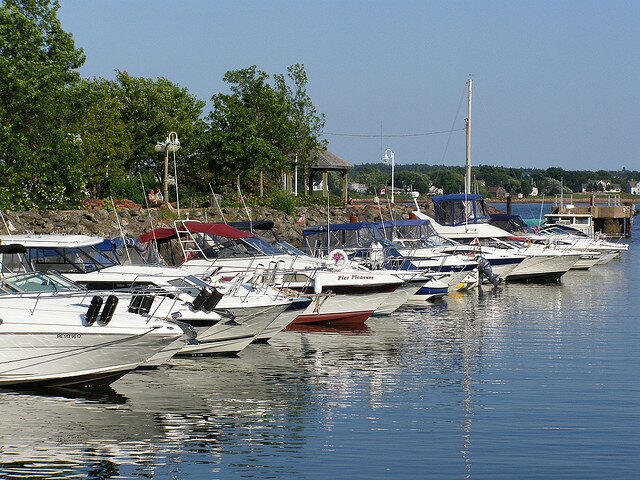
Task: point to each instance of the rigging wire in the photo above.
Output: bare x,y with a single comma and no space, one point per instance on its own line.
399,135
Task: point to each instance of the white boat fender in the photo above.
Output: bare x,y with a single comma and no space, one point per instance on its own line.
485,269
338,259
94,310
109,309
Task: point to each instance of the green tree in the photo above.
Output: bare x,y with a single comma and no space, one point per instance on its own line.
417,181
373,177
306,122
151,109
449,180
242,139
106,140
525,187
38,63
260,128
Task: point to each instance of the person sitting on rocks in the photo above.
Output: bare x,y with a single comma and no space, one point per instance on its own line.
153,199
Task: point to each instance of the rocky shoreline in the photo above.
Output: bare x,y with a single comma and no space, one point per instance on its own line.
135,221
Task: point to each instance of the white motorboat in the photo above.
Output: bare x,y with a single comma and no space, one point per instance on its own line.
593,250
341,294
464,218
248,312
367,244
63,338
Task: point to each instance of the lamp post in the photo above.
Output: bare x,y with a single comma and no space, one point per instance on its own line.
390,157
170,144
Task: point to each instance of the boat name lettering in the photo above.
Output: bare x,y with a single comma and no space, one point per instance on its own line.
355,277
69,335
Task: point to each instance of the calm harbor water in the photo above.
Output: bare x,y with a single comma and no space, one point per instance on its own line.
520,381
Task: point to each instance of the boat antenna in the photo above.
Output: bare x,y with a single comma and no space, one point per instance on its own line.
215,199
175,145
389,205
376,200
467,176
124,242
8,226
328,226
245,206
541,207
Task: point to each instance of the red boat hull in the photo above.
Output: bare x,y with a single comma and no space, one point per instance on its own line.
348,318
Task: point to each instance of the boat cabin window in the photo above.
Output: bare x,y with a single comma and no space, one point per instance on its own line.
68,260
345,237
190,284
231,248
286,247
38,282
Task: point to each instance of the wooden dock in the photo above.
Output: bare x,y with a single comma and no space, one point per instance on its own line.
611,216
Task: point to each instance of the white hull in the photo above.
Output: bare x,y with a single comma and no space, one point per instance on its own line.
46,340
342,308
282,321
229,337
164,355
399,297
540,267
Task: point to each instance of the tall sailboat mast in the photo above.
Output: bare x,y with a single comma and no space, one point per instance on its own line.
467,178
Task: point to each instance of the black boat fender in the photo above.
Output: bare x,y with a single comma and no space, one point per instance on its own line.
109,309
94,310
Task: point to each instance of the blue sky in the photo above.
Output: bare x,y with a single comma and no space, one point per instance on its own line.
554,82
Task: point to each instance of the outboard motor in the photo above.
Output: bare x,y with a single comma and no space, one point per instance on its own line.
109,309
485,270
94,310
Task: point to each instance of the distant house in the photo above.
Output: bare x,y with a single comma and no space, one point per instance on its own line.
600,186
358,187
433,190
534,191
633,187
318,186
497,192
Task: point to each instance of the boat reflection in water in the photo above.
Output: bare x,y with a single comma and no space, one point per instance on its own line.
355,329
463,388
263,405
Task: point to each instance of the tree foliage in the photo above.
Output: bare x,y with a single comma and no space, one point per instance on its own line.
260,127
38,63
63,138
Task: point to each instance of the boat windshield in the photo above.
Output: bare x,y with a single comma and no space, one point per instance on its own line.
189,284
68,260
263,245
561,230
36,282
290,249
350,237
210,249
415,236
